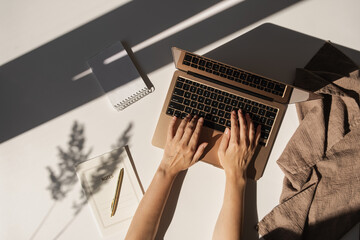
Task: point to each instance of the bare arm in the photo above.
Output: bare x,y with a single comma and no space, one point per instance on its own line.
181,151
235,152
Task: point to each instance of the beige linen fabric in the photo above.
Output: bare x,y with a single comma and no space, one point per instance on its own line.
321,191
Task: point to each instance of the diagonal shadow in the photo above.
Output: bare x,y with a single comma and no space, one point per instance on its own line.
37,86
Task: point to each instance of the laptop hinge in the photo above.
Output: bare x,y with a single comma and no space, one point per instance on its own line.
229,86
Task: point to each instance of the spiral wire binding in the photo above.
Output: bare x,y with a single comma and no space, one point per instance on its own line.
133,98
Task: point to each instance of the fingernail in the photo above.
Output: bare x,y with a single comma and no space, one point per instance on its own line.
201,119
226,130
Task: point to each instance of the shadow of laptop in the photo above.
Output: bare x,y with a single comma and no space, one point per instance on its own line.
272,51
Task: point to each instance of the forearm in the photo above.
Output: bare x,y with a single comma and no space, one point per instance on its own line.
146,220
230,220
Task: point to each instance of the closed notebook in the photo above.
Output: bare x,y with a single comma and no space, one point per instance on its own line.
99,178
119,77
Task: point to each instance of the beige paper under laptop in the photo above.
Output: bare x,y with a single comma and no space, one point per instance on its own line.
211,89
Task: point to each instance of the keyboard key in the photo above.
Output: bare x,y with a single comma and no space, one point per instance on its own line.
200,91
194,97
241,105
207,109
222,121
209,64
207,101
214,103
183,115
256,80
195,112
280,88
255,110
247,108
206,94
222,69
186,102
188,57
220,98
215,126
214,111
170,111
270,122
262,120
177,99
178,92
228,123
229,71
194,65
201,99
262,112
177,114
188,110
263,83
186,87
221,113
193,104
186,63
227,100
227,115
195,60
192,89
213,95
270,115
215,119
215,67
202,62
201,114
236,74
228,108
234,103
221,106
200,106
187,95
176,106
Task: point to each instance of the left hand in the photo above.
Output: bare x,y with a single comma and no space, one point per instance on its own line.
181,150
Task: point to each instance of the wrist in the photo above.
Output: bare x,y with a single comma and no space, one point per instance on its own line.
165,171
238,178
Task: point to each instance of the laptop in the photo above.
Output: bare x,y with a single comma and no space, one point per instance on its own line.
212,89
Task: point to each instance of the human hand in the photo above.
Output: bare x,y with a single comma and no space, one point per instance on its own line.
237,146
181,150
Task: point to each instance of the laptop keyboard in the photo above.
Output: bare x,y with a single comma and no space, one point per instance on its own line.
215,106
234,74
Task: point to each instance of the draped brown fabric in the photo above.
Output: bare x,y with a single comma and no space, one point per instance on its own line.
321,190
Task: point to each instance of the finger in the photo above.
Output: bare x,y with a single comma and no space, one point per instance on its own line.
200,150
234,128
170,132
242,124
189,129
224,141
257,135
180,131
250,127
195,136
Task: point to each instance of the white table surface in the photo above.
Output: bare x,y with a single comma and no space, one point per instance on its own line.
26,207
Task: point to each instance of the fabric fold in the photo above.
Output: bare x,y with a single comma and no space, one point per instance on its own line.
321,162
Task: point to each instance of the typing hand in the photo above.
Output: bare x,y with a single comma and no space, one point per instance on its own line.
181,149
238,145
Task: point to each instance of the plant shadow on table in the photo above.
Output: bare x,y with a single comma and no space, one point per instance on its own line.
63,178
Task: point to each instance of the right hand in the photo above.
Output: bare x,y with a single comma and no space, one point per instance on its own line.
237,146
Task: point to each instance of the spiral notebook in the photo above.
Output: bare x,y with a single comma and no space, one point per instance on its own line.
119,77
